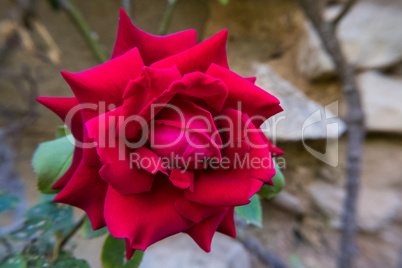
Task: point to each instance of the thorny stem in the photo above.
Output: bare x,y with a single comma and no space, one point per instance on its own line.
355,119
82,26
167,17
61,241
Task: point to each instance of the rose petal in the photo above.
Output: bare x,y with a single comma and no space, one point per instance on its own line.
186,115
104,83
199,57
120,169
182,179
184,149
227,226
221,187
126,179
89,155
232,126
77,157
186,131
196,212
86,190
145,218
260,161
275,151
101,129
153,164
109,148
153,81
129,250
62,107
266,106
255,186
150,87
203,232
198,85
151,47
251,79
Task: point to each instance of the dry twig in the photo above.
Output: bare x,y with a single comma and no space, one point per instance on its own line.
346,8
355,118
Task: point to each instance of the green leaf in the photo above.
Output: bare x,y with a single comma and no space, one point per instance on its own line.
7,202
32,229
223,2
51,160
17,261
37,263
296,262
113,254
43,218
71,263
62,131
86,230
60,216
269,191
44,198
251,212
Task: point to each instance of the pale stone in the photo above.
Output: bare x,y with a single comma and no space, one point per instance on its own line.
302,117
369,38
289,203
376,208
180,251
329,199
381,98
379,169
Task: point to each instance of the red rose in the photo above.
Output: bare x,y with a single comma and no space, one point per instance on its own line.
167,138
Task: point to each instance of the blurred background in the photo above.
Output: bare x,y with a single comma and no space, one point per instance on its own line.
270,39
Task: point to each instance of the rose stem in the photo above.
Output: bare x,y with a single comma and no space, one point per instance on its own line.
62,241
76,17
167,17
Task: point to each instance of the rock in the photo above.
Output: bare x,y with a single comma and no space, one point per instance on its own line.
366,36
262,36
289,203
329,199
7,27
398,217
180,251
313,61
302,118
381,97
376,208
379,169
